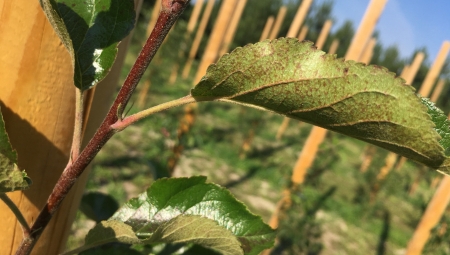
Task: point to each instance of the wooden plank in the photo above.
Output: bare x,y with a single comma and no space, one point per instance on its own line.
303,32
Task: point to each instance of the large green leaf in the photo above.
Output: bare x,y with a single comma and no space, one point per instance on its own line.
11,178
186,210
366,102
91,31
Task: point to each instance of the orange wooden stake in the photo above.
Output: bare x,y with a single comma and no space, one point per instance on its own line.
303,32
435,69
190,28
368,51
143,94
334,46
430,218
267,28
231,31
323,34
365,29
193,19
437,91
37,99
198,38
299,18
278,21
153,18
216,38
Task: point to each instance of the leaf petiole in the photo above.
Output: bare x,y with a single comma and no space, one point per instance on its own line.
127,121
16,211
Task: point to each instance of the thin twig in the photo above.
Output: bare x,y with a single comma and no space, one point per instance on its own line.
17,213
170,11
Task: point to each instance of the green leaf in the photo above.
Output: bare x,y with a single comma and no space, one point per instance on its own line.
11,178
188,210
295,79
91,31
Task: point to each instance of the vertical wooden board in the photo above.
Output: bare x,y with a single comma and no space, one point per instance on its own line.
323,34
37,98
435,69
152,22
365,29
217,35
299,18
278,21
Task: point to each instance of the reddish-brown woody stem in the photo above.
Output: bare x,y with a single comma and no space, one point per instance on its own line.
170,11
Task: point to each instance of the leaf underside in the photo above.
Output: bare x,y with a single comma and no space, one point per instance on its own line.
11,178
186,210
295,79
91,31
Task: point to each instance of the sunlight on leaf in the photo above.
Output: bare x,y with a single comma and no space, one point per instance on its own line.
11,178
187,210
91,32
295,79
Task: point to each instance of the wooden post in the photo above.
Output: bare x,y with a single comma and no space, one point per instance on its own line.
37,90
365,29
153,18
334,46
441,198
430,218
368,51
323,34
231,31
194,16
435,69
190,28
437,91
267,28
303,32
278,21
198,38
216,38
143,95
299,18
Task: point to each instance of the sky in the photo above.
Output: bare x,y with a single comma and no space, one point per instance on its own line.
409,24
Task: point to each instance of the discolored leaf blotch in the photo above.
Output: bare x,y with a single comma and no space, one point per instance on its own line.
11,177
91,32
295,79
